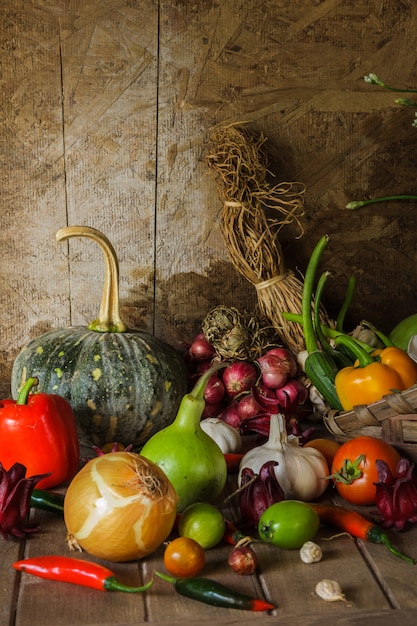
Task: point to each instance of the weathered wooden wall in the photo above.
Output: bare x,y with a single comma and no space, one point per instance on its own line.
106,106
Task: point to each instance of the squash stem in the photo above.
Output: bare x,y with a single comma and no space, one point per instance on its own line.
109,319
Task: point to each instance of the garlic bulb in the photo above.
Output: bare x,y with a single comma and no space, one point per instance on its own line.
301,472
226,436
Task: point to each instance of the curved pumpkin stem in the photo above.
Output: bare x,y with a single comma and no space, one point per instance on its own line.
109,315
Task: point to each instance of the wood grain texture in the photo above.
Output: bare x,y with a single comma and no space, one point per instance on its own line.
107,108
379,587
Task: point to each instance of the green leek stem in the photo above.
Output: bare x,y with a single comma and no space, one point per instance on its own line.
351,344
308,286
317,325
346,304
332,333
358,204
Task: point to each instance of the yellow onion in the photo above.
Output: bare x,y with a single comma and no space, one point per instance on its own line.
119,507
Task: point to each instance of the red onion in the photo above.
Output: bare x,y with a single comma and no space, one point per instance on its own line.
248,407
274,372
230,415
201,349
214,391
212,410
240,376
287,358
243,560
291,394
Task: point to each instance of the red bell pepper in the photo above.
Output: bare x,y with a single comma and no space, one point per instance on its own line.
39,431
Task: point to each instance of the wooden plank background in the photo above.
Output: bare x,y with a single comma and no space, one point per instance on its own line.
106,107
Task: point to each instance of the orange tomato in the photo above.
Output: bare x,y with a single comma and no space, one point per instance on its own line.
328,448
184,557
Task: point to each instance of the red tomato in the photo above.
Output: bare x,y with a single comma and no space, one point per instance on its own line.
184,557
354,469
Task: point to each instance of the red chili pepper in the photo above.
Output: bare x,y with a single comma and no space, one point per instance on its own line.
233,461
232,534
357,526
75,571
39,431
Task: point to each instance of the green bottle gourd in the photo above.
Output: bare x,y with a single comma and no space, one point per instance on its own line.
192,460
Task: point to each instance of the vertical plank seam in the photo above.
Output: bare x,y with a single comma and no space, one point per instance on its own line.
64,162
155,220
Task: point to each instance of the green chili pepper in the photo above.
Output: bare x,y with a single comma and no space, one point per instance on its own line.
75,571
47,501
216,594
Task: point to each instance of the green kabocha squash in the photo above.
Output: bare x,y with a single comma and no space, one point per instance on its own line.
123,385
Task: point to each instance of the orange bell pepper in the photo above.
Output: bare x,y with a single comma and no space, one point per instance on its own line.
375,375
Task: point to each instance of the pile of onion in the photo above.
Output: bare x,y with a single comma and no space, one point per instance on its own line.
119,507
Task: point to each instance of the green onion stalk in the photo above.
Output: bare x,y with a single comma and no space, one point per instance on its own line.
373,79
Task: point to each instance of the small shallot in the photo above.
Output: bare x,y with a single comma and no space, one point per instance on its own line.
201,349
310,552
273,372
243,560
214,391
240,376
330,591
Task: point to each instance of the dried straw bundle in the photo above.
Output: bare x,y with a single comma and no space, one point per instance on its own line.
239,163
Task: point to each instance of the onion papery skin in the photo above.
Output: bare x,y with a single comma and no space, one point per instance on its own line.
120,507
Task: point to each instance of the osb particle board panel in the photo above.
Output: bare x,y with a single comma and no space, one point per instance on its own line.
106,110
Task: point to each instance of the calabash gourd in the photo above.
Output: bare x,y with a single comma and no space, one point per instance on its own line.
123,385
191,459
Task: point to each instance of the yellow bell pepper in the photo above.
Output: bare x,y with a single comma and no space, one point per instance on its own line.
375,375
399,360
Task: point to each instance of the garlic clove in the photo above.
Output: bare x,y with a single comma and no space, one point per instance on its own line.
330,591
310,552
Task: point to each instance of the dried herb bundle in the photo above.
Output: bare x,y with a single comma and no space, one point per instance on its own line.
239,162
239,335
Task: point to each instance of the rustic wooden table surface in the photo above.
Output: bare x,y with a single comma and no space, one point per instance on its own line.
379,587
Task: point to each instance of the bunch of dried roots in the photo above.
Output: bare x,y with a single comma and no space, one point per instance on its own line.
239,161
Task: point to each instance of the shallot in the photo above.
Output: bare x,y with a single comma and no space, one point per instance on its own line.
240,376
229,414
274,373
248,407
214,391
287,360
243,560
201,349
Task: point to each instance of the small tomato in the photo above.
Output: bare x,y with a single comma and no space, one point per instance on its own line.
184,557
202,522
328,448
354,471
288,524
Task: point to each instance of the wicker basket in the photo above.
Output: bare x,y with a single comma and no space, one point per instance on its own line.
394,419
